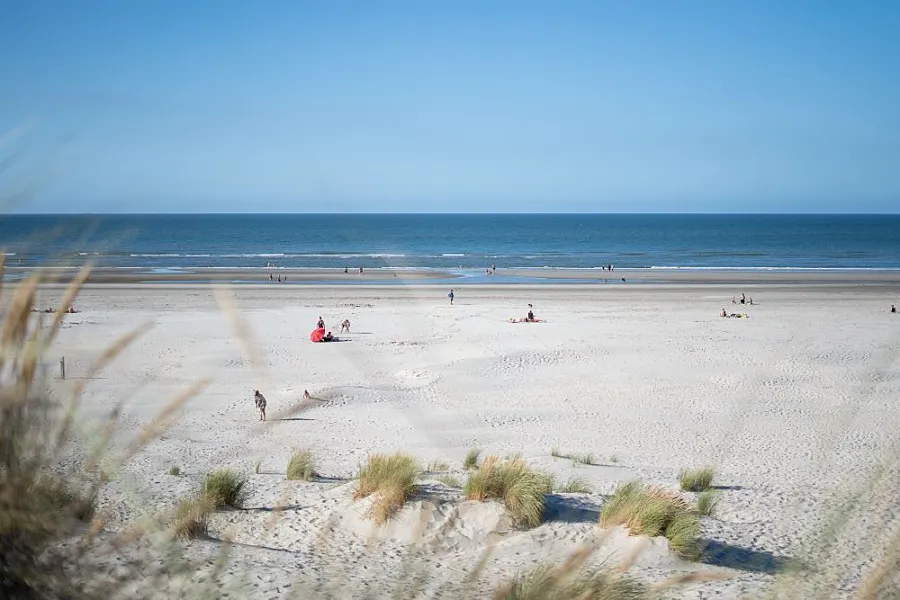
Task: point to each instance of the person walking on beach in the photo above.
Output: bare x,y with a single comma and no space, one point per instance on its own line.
260,401
450,295
321,323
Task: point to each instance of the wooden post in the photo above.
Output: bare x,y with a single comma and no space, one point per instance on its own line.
62,367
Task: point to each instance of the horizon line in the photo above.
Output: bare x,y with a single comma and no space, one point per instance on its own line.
364,213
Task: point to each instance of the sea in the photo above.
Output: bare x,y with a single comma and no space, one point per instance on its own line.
461,243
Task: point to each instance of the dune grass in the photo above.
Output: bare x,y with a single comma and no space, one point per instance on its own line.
437,466
190,520
301,466
521,488
175,471
566,583
696,480
450,481
652,511
471,460
575,485
392,479
707,502
578,459
224,487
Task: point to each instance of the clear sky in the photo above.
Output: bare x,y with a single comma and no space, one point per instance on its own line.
301,106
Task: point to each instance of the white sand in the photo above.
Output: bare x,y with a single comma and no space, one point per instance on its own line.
791,405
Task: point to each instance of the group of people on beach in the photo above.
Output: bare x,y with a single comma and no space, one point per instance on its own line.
744,299
329,337
529,318
70,311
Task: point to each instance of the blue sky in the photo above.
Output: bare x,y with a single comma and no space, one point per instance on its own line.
450,106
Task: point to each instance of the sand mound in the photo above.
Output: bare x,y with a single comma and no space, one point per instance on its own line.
438,526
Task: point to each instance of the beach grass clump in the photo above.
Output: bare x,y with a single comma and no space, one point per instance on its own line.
191,518
707,502
224,487
579,459
175,471
575,485
565,583
301,466
696,480
653,511
521,488
450,480
391,478
471,460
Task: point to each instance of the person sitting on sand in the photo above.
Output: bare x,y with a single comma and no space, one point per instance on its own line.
723,314
329,337
306,395
345,326
260,404
530,317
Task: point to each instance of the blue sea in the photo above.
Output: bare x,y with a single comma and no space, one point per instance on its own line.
455,242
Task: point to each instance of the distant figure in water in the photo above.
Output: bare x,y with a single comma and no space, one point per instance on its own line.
346,269
279,279
260,401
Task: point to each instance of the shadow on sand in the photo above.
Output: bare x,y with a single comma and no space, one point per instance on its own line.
743,559
570,509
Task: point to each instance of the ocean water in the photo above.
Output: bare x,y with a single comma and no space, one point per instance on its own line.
455,242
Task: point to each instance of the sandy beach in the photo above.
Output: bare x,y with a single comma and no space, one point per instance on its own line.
503,277
794,405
